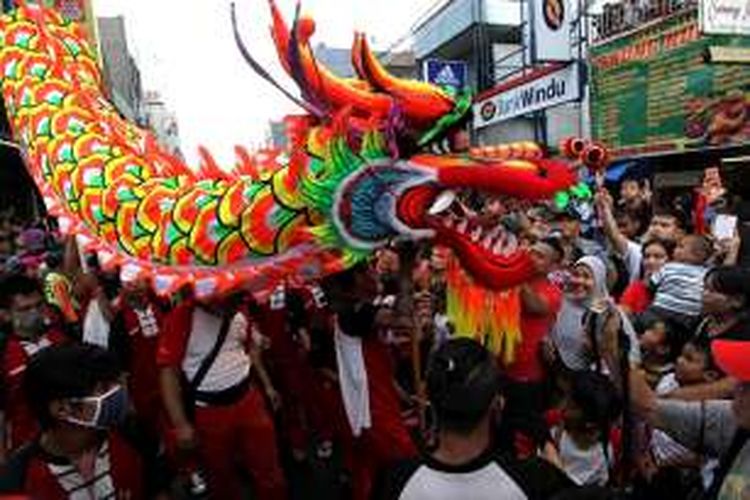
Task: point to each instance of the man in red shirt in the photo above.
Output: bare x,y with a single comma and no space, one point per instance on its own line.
540,303
230,417
285,320
377,435
143,318
30,334
76,395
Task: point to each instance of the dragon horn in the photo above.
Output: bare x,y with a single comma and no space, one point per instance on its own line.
357,56
421,102
317,82
261,71
280,35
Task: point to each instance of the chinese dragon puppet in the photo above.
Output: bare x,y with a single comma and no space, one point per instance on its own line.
366,164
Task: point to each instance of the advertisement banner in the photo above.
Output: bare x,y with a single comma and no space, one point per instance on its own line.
551,29
558,87
725,17
655,90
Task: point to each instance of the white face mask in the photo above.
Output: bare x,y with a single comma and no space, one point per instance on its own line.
111,409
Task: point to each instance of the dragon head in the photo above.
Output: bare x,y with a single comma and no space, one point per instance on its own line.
381,166
369,199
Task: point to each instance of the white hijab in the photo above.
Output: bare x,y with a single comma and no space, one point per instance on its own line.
568,333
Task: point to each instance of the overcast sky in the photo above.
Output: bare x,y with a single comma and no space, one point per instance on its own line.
186,50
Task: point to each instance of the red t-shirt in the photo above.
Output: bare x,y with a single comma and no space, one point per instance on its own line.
388,435
172,344
143,326
21,426
118,474
528,367
636,297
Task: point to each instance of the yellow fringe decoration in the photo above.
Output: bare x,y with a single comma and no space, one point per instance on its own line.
492,318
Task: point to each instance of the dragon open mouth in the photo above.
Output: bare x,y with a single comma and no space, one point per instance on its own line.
485,244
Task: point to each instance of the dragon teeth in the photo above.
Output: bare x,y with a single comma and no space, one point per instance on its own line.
505,246
512,245
497,248
489,238
442,202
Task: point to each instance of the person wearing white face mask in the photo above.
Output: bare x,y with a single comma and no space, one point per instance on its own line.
30,333
77,395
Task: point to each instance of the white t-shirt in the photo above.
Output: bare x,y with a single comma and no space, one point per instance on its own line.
633,258
488,477
232,364
490,482
587,467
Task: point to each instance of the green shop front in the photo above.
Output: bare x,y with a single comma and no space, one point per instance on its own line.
676,100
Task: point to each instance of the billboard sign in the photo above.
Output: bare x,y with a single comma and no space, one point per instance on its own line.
655,91
551,21
725,17
551,89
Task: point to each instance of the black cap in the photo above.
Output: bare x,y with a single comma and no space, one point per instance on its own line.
462,379
555,243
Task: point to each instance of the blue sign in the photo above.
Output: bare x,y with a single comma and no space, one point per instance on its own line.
446,73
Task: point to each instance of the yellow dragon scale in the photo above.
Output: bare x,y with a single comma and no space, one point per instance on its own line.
97,174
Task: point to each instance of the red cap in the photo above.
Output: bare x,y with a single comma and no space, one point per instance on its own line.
733,356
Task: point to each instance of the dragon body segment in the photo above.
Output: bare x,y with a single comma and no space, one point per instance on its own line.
361,170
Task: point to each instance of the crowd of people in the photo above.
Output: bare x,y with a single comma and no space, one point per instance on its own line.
631,378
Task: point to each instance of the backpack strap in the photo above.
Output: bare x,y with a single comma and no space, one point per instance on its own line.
208,361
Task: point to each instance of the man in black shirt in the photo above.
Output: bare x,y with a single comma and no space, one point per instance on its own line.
463,385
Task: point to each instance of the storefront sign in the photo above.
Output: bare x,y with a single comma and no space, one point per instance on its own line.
656,90
549,90
730,55
725,17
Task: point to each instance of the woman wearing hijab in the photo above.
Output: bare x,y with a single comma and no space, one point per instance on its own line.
593,333
586,301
